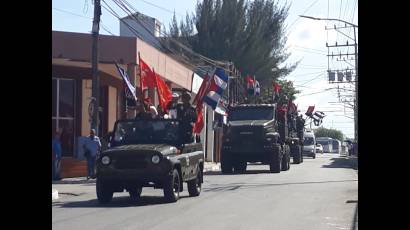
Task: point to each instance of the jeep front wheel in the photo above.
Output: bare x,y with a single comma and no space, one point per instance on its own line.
172,187
104,192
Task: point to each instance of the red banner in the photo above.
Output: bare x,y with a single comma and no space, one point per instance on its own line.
164,93
147,76
199,124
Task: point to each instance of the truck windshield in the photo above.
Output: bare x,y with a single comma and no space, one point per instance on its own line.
258,113
146,132
308,141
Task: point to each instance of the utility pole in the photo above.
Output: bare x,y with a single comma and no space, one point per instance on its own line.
94,66
356,82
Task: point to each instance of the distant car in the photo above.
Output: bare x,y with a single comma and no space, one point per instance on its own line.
319,148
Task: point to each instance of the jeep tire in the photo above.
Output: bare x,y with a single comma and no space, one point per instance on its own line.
195,185
104,192
286,158
172,186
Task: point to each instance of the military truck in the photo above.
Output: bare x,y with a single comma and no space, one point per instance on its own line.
258,133
149,153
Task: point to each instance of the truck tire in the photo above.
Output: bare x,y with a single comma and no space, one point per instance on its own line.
226,164
276,160
286,158
135,193
297,154
104,192
240,167
172,186
195,185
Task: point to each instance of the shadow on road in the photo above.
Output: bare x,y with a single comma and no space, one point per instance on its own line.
214,173
235,186
80,181
342,162
117,202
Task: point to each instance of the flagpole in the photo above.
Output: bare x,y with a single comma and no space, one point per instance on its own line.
139,64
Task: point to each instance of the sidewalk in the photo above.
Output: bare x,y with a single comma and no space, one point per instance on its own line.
62,184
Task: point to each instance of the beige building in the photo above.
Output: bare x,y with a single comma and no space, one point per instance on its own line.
71,84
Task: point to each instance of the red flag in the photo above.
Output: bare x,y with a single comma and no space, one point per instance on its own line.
276,87
199,124
310,110
147,76
202,91
250,82
164,93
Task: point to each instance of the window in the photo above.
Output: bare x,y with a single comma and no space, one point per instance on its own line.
63,112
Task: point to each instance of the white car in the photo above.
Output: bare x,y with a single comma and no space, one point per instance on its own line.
319,148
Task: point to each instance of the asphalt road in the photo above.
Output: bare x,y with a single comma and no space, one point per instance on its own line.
318,194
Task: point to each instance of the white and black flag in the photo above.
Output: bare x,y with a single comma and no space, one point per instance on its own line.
130,91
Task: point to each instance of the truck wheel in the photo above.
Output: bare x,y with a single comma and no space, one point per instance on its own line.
240,167
135,193
172,187
286,159
276,160
195,185
104,192
226,165
297,155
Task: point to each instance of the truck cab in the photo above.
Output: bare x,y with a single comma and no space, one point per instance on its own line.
252,135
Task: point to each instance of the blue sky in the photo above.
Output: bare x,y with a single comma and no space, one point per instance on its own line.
306,41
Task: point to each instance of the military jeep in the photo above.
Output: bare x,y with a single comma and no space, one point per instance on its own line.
253,135
149,153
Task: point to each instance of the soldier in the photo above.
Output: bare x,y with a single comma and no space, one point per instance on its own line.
186,113
141,113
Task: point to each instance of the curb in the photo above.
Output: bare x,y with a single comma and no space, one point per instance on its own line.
54,194
212,168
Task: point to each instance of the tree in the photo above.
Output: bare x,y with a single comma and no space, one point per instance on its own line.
251,34
332,133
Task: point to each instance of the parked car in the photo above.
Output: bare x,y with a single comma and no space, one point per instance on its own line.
319,148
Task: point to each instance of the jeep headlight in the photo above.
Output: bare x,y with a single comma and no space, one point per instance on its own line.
105,160
269,139
312,151
155,159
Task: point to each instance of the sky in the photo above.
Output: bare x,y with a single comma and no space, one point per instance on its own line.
306,41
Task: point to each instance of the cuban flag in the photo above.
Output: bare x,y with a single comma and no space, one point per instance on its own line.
218,83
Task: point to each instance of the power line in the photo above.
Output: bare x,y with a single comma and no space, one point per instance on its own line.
323,91
299,17
324,51
203,58
82,16
162,8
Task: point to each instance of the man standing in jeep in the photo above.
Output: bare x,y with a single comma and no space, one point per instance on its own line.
186,113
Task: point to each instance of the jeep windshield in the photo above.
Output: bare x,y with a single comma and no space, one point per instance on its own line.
146,132
249,113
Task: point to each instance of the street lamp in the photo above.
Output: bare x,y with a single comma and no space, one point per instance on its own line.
356,65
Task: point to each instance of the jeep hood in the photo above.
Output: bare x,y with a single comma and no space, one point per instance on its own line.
164,149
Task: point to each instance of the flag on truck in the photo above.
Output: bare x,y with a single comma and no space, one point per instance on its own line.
218,83
257,88
310,111
250,85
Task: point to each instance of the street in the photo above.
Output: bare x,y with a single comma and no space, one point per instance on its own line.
318,194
